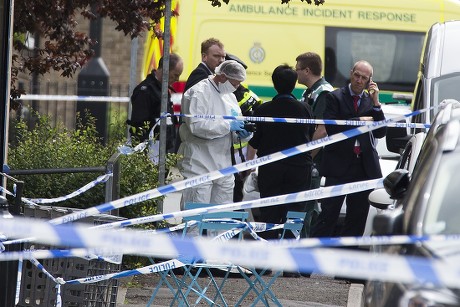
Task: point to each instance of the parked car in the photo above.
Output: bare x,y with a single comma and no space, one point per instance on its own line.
426,204
438,79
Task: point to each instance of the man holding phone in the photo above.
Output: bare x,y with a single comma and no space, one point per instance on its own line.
353,159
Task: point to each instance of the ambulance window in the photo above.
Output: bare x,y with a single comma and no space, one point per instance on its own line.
394,55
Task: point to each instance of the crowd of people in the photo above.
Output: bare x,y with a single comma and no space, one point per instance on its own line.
216,87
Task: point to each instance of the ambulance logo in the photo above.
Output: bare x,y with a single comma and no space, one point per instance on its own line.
257,53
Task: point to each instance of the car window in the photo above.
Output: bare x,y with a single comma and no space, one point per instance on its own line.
395,56
445,87
403,162
443,214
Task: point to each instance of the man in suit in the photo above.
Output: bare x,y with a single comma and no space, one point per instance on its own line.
212,55
354,159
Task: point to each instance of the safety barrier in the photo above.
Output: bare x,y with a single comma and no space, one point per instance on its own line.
349,263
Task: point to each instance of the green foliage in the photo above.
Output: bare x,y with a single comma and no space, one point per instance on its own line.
46,146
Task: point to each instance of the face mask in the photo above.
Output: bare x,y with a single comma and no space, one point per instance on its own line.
226,87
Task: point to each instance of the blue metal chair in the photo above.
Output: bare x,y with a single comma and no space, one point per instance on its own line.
209,223
294,223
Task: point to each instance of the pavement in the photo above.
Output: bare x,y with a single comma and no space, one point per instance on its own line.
316,291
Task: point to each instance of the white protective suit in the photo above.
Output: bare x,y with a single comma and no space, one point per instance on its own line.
206,143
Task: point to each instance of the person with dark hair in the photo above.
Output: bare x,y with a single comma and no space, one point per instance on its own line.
309,68
353,159
291,174
146,106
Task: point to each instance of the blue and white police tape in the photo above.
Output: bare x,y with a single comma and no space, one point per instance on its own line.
58,281
25,200
86,187
127,149
324,192
196,180
154,268
158,267
2,238
85,253
258,254
18,281
248,118
303,120
42,269
164,266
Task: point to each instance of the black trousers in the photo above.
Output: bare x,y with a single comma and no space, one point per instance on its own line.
277,179
357,206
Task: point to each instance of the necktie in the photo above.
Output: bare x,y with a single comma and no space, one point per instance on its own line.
355,102
357,147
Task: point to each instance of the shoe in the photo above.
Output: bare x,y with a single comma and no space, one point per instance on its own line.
291,274
307,275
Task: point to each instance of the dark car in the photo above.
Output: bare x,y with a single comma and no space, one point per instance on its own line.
427,203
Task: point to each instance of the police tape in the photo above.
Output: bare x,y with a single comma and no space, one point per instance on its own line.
348,122
35,202
73,98
86,187
313,194
156,268
196,180
354,264
58,281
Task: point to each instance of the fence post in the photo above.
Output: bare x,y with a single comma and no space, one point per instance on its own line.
9,269
112,186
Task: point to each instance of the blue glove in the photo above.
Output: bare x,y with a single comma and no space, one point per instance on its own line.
236,125
243,134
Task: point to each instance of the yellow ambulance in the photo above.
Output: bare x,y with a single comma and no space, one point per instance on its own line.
265,33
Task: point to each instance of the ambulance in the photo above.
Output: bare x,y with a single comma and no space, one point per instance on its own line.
265,33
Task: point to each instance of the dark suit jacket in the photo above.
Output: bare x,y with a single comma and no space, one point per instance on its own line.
338,156
201,72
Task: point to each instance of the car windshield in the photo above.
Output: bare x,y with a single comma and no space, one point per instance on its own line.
443,210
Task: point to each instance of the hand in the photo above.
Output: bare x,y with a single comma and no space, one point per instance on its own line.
243,134
236,125
367,118
374,92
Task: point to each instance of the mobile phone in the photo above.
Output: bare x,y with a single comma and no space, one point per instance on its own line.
368,84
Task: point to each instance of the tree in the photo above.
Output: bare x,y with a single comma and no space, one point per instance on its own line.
65,49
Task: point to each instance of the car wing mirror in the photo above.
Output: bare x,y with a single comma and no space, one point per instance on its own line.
396,139
388,223
380,199
396,183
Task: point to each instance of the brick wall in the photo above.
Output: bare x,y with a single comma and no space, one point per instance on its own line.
116,53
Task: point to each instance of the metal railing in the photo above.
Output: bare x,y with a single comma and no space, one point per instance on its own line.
112,185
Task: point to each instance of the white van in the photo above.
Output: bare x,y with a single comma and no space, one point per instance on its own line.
438,79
